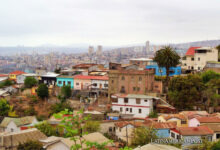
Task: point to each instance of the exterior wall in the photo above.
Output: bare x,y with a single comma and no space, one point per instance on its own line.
163,133
82,84
58,146
12,76
106,127
122,133
20,79
161,71
178,121
145,107
209,56
194,122
62,81
200,60
12,127
101,84
133,82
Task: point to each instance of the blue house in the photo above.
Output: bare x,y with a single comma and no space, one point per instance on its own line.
64,81
163,133
161,71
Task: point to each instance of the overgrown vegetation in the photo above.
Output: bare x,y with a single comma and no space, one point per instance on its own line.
195,89
29,82
92,126
31,145
42,91
4,107
6,83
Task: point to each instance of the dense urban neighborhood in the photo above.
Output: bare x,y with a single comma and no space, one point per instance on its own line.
158,101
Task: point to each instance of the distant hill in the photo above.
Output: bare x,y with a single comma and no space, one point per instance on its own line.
208,43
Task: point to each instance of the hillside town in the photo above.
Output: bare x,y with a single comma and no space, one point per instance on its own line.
163,101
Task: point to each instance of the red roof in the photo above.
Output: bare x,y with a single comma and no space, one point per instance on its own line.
201,130
91,77
208,119
3,75
191,51
17,72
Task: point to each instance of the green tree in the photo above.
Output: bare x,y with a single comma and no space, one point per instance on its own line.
31,145
58,107
46,128
57,70
153,114
216,146
42,91
29,82
73,125
218,48
143,135
167,57
92,126
184,92
66,91
4,107
209,75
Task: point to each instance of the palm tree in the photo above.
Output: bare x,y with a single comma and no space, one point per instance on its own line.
167,57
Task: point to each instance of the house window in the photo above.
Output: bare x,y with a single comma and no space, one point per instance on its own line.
77,83
126,109
138,88
122,89
134,88
183,122
94,84
145,100
69,83
198,58
122,78
114,100
112,81
140,78
60,82
130,110
138,101
121,109
217,136
64,83
105,85
126,100
12,130
110,129
172,135
140,111
178,136
192,67
198,68
192,59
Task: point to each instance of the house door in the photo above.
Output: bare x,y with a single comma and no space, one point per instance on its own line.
100,86
81,86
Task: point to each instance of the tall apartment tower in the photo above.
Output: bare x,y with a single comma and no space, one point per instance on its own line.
147,47
91,50
99,50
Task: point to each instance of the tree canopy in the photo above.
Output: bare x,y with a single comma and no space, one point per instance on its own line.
66,91
42,91
46,128
143,135
29,82
4,107
167,57
31,145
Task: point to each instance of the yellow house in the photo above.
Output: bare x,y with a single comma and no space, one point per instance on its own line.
13,75
180,119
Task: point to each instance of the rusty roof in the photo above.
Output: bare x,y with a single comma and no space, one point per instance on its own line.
191,131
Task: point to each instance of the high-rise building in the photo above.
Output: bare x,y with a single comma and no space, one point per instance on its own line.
147,47
99,50
91,50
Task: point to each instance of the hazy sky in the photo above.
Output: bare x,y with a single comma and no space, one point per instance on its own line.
107,22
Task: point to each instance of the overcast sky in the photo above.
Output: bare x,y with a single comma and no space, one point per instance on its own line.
107,22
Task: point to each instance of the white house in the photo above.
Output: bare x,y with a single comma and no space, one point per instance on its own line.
15,124
197,121
100,82
139,106
22,77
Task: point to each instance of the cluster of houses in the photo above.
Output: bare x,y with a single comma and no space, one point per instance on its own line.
132,94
